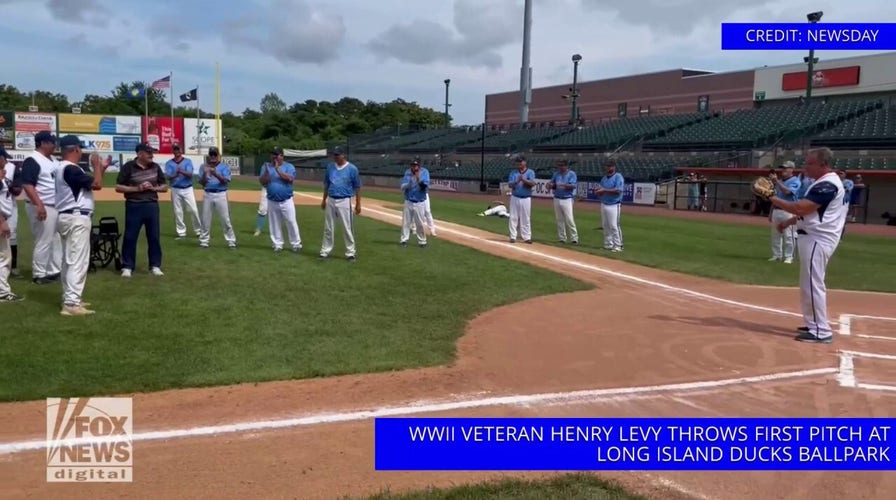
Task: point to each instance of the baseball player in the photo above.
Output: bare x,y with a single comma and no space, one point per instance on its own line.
787,187
819,218
415,186
563,184
278,177
74,201
8,194
262,216
521,181
341,182
40,190
214,179
14,189
179,171
610,193
496,208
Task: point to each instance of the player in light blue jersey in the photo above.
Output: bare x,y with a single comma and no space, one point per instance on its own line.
215,179
278,177
521,182
610,194
787,187
563,184
179,171
342,181
805,182
415,186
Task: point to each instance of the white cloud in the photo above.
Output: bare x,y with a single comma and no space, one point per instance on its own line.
326,49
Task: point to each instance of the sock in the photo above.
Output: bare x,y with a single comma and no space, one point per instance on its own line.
259,222
15,256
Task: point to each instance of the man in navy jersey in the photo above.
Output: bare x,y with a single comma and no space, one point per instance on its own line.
74,202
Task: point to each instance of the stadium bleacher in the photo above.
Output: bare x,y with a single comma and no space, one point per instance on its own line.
646,148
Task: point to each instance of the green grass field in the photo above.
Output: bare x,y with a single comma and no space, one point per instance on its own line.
736,253
223,316
563,487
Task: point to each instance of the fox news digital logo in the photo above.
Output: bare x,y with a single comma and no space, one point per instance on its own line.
89,440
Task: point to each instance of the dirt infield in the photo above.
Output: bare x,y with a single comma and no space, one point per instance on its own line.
639,331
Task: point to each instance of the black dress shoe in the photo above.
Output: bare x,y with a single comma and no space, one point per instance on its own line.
43,280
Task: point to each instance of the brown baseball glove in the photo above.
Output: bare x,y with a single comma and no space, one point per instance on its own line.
763,188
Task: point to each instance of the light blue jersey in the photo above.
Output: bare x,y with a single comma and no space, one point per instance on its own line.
278,189
186,165
520,190
568,178
342,182
416,191
794,185
847,188
805,182
616,182
214,185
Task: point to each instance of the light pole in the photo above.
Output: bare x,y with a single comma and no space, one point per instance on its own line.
447,105
574,90
813,18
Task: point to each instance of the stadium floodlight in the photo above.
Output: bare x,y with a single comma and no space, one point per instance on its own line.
447,105
814,17
574,91
576,58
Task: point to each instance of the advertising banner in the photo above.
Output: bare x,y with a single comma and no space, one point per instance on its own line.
161,132
128,125
645,194
35,122
86,124
200,134
25,140
443,185
822,78
125,143
94,142
7,129
233,162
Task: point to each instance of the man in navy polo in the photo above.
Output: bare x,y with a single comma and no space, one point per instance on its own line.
141,180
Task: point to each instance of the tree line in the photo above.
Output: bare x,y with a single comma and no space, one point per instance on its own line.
303,125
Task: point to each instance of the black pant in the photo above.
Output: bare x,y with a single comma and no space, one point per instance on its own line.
136,216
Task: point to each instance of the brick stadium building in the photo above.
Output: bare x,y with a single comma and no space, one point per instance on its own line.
731,126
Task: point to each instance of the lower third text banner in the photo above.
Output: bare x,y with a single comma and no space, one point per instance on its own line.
634,444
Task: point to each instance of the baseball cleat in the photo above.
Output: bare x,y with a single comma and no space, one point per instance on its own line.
11,297
808,337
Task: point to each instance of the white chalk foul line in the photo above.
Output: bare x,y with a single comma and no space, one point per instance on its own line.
585,396
615,274
870,355
846,324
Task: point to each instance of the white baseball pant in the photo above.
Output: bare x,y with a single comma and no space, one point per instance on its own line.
566,223
5,265
216,202
13,223
520,218
814,257
500,211
263,203
180,198
430,223
74,231
785,239
47,258
279,213
610,215
339,209
414,213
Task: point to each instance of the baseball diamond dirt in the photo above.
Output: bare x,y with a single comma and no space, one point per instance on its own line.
644,343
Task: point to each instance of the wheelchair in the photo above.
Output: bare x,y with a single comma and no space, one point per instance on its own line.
104,244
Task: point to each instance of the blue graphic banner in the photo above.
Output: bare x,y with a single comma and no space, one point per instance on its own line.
805,36
653,444
125,143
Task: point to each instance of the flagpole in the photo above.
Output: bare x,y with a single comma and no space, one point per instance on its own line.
220,131
146,111
171,99
198,141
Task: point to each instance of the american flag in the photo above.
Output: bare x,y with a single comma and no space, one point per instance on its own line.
164,83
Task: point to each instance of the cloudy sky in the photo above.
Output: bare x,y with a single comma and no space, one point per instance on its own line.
380,49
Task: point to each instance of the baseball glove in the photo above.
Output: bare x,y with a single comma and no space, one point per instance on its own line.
763,188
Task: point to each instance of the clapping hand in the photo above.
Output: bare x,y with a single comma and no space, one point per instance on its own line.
146,186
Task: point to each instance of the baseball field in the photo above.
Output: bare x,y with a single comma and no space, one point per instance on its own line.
257,374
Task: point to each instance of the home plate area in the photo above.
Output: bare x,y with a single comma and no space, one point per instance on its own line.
872,364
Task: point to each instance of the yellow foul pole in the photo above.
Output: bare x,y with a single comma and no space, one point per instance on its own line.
220,134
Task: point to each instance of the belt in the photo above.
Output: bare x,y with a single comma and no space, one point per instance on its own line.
521,197
416,201
182,187
800,231
215,190
77,211
340,197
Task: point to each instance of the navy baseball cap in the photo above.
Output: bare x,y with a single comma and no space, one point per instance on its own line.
69,140
277,151
4,154
44,136
337,151
143,146
213,151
